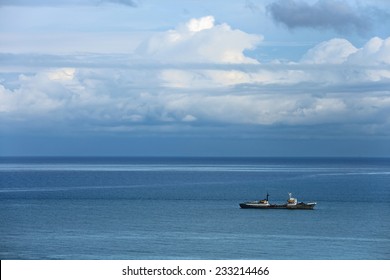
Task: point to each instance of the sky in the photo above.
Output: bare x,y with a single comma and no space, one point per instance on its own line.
195,78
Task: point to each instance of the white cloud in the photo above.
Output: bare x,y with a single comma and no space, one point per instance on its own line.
111,99
64,74
335,51
200,41
335,62
342,63
375,51
196,25
198,74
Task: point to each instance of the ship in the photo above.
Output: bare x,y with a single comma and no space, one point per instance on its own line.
292,204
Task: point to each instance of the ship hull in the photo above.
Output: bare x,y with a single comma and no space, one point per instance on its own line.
299,206
302,206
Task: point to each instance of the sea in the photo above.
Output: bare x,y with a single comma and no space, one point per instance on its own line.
127,208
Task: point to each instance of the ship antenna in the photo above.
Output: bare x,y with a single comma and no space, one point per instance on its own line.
267,195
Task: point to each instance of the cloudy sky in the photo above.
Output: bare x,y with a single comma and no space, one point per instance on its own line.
192,77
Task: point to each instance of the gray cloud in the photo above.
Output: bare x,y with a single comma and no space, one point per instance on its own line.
252,6
326,14
131,3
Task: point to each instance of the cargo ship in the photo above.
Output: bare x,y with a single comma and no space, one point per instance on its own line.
292,204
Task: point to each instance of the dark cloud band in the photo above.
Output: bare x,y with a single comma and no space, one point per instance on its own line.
328,14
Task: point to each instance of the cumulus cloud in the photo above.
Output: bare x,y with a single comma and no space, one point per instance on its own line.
118,100
200,40
332,14
375,51
198,75
335,51
339,55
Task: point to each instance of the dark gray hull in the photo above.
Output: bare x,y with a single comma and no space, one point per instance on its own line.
299,206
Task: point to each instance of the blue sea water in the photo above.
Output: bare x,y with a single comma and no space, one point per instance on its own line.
188,208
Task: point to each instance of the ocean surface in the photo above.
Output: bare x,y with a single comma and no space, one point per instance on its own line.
188,208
